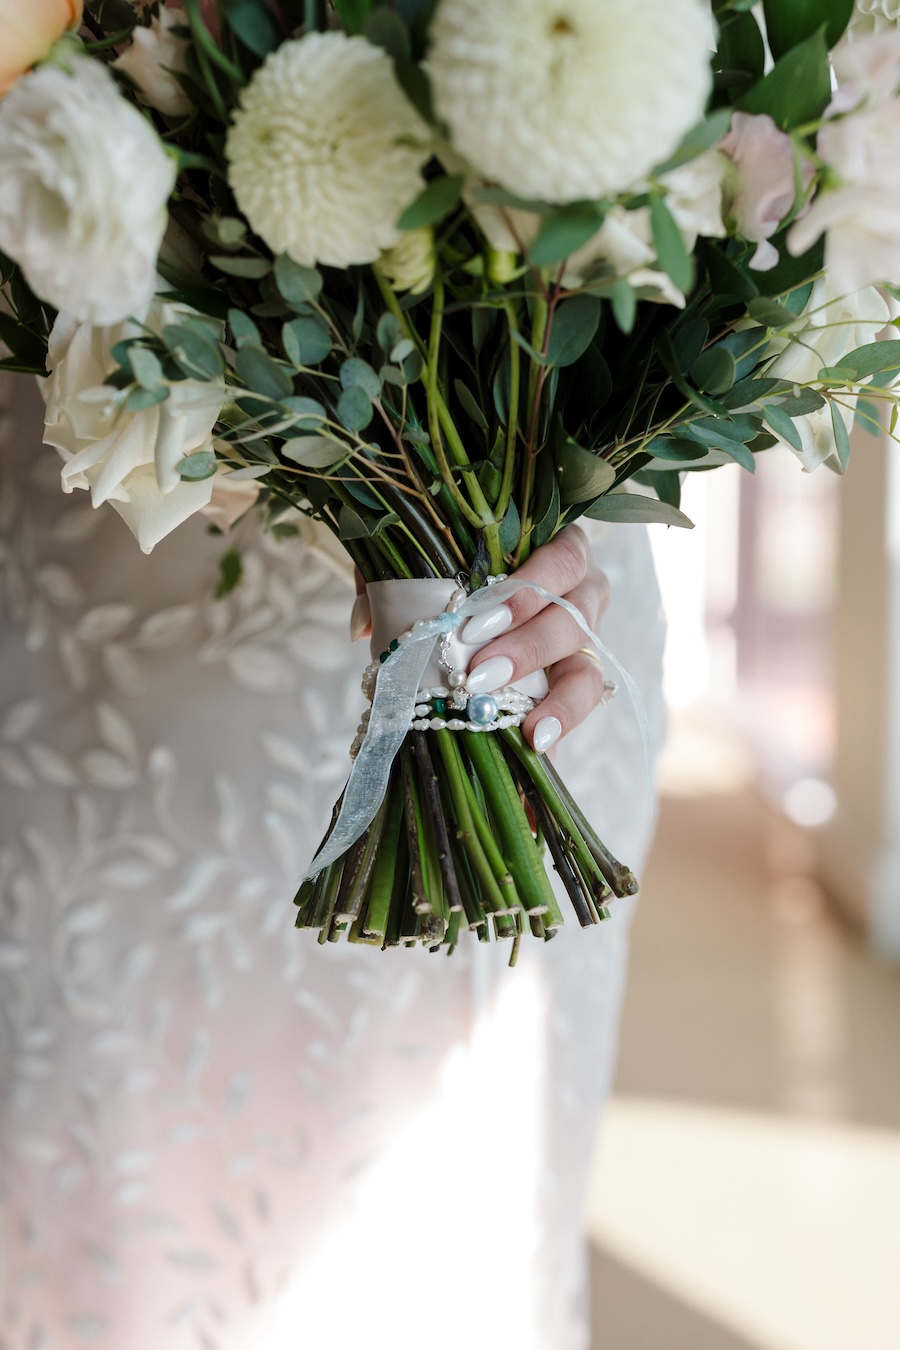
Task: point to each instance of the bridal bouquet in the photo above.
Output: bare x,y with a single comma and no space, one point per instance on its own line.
445,275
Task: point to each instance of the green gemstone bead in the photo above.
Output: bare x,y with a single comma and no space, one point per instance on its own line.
393,644
383,657
439,705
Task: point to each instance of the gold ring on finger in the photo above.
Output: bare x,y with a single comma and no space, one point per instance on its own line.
610,688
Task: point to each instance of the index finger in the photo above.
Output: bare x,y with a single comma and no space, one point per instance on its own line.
558,567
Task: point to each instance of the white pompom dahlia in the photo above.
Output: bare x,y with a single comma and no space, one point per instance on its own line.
325,150
562,100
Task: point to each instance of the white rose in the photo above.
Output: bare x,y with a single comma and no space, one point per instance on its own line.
153,55
84,182
126,458
824,333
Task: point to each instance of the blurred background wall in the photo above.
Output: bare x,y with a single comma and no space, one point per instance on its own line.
747,1185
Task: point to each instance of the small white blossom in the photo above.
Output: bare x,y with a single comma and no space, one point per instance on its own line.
561,100
154,54
325,150
84,182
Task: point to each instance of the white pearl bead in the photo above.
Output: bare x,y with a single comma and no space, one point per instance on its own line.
418,625
422,710
421,725
473,726
456,679
456,725
437,724
441,692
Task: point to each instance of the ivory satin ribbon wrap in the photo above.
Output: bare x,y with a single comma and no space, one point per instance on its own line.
396,607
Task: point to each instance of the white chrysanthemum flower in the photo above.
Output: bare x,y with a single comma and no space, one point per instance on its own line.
871,16
562,100
326,151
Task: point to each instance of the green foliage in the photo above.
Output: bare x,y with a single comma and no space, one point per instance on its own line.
261,373
581,475
797,88
354,408
194,468
194,350
231,569
565,231
631,508
575,322
252,23
790,21
434,202
297,285
306,342
671,251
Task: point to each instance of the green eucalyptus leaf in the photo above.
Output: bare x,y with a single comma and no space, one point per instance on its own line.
714,370
801,403
388,332
629,507
353,13
146,365
471,405
624,305
297,285
665,483
252,24
195,351
384,28
308,412
356,373
510,530
676,449
433,203
243,329
581,475
139,399
306,342
872,358
770,314
354,408
547,512
782,425
564,232
262,374
194,468
252,268
351,525
314,452
841,437
671,251
575,322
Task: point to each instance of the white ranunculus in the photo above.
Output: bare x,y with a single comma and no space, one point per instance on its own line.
326,150
873,16
623,247
149,61
126,458
825,332
84,182
562,100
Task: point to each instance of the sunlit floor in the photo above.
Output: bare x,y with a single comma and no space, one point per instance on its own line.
747,1191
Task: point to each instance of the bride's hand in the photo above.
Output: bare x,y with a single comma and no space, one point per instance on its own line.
532,635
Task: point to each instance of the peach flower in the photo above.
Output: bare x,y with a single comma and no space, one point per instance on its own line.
28,31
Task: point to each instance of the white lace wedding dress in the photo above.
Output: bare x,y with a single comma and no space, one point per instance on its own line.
215,1133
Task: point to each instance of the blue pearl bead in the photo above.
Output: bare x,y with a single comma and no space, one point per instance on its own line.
482,708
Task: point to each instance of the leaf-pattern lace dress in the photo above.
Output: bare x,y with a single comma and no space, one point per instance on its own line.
214,1133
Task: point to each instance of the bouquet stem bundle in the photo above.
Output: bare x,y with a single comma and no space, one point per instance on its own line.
452,848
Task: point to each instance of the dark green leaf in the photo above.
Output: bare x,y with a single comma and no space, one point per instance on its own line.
433,203
564,232
783,427
253,24
675,449
741,51
414,82
194,468
790,21
770,314
666,484
351,525
581,475
798,87
510,530
629,507
575,322
231,569
624,305
470,403
306,341
384,28
868,417
243,329
261,374
671,251
354,408
298,285
254,268
714,371
356,372
195,351
726,277
841,438
388,332
547,512
353,13
801,404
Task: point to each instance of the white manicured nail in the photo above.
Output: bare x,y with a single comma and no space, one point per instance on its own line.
360,617
490,675
490,623
546,733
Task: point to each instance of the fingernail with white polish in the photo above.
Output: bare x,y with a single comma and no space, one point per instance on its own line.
490,675
546,733
360,617
490,623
